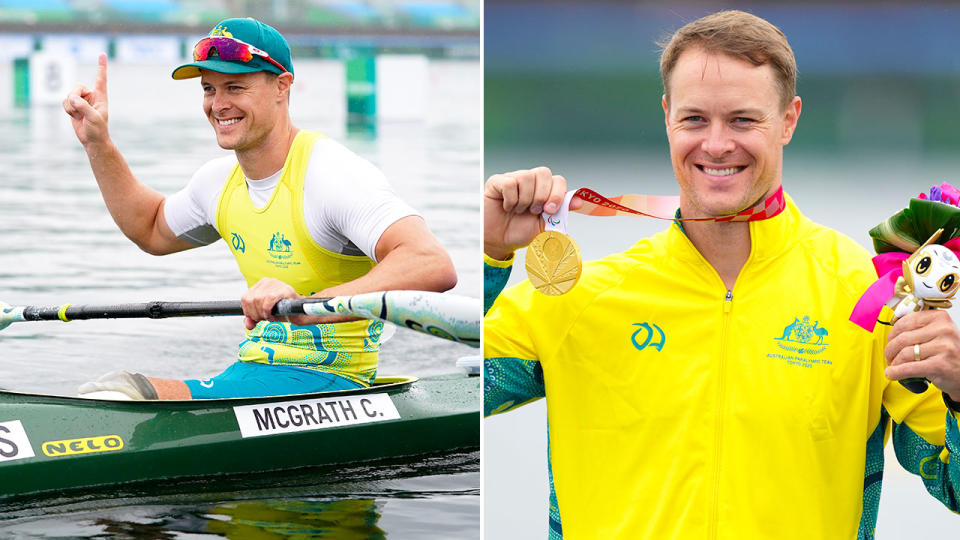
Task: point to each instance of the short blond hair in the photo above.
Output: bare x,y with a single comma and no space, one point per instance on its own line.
738,34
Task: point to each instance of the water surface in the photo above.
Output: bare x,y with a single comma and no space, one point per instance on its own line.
58,244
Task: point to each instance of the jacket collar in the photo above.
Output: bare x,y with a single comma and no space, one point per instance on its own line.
769,238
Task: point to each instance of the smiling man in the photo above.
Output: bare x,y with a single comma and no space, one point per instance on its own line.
303,216
761,412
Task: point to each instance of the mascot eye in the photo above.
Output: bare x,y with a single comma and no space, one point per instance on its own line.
947,282
923,265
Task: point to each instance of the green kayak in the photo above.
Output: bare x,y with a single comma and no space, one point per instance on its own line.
55,443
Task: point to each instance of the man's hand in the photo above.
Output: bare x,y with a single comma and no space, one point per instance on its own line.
939,346
88,108
512,204
259,300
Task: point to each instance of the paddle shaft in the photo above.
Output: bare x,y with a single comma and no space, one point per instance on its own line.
151,310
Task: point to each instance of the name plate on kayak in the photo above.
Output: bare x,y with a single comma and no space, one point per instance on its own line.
14,443
290,416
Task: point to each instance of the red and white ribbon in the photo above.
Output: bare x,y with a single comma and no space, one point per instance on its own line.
663,207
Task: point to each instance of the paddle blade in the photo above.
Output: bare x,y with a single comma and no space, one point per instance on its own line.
9,314
449,316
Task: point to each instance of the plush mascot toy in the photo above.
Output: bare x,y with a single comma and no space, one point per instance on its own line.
914,276
930,279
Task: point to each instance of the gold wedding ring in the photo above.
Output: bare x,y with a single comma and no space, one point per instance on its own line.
916,352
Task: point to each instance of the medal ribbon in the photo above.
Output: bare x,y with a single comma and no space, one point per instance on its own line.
598,205
661,207
558,222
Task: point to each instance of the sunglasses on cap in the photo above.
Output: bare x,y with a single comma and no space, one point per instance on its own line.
230,49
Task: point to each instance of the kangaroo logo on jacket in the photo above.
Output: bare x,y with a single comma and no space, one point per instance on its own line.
281,251
644,336
805,338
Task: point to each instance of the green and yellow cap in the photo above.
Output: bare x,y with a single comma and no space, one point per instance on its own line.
247,56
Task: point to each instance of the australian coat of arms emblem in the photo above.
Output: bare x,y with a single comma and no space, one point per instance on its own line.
803,337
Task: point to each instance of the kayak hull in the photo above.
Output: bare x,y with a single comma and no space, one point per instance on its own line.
55,443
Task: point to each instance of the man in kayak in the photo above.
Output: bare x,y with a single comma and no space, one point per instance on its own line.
303,216
681,403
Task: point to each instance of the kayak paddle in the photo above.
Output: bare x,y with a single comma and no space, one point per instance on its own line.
449,316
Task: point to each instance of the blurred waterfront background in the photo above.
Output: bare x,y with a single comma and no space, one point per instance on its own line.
419,118
575,86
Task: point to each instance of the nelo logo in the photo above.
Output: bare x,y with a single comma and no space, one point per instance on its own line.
85,445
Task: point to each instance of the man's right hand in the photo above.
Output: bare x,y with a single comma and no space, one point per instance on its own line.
512,205
88,108
136,208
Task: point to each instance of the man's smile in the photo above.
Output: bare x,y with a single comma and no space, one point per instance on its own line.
725,171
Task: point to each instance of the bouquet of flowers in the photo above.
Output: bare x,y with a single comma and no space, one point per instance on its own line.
909,228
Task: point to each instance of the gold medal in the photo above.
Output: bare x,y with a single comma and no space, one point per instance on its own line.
553,263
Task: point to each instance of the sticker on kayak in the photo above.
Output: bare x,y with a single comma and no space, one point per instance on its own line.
14,443
290,416
85,445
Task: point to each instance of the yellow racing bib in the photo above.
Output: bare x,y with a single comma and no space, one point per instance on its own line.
273,241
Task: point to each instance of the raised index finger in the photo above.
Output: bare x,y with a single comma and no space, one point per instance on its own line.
101,85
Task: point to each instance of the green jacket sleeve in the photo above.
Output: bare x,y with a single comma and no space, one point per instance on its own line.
507,382
926,440
931,461
511,382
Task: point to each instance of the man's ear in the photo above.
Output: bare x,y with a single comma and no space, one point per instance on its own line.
790,118
666,110
284,82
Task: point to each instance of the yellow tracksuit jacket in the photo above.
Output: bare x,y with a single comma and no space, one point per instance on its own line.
680,410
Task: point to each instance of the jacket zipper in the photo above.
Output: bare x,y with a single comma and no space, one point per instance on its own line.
713,526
